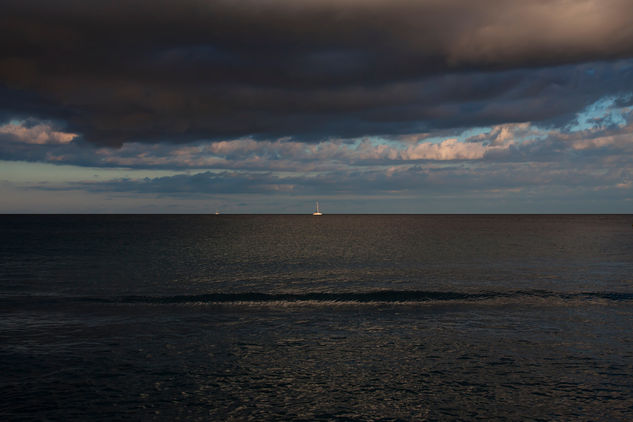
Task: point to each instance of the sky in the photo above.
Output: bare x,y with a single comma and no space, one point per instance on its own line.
266,106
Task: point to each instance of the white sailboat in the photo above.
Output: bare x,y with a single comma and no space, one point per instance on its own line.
317,210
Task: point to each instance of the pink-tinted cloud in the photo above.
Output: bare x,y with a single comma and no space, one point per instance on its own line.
39,134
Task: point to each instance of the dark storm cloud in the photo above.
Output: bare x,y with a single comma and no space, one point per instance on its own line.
179,71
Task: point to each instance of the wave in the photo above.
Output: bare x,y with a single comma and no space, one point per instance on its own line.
338,298
383,296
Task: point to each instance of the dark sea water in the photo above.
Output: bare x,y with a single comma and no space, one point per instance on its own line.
340,317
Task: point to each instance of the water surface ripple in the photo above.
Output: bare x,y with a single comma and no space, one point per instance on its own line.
400,317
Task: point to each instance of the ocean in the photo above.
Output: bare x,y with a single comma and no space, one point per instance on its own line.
338,317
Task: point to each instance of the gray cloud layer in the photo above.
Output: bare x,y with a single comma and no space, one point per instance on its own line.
179,71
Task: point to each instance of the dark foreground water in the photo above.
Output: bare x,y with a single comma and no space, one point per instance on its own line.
316,318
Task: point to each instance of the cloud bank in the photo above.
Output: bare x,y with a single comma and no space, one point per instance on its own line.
163,71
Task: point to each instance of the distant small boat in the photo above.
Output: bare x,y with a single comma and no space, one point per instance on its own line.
217,213
317,211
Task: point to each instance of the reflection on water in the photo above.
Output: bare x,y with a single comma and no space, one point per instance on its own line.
285,318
